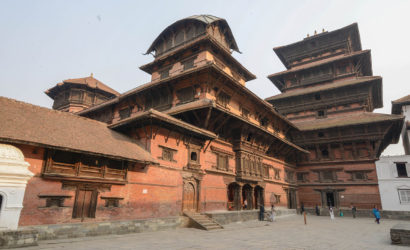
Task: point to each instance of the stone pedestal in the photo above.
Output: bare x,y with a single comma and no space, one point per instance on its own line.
14,175
400,234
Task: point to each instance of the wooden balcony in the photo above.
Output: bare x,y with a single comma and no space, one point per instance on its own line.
82,172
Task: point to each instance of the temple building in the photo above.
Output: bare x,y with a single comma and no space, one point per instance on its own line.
329,93
196,140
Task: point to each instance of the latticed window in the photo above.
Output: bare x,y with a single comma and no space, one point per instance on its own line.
164,74
167,154
222,162
277,174
124,113
223,99
359,176
327,175
185,95
300,176
404,195
188,64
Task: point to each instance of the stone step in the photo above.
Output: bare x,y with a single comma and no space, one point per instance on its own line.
203,221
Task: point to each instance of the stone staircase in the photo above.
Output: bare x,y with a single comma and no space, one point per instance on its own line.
202,221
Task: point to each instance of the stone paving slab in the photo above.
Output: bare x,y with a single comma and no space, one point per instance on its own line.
286,232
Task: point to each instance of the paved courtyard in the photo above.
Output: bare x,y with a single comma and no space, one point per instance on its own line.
285,233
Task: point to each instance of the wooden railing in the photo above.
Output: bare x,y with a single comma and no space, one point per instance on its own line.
81,170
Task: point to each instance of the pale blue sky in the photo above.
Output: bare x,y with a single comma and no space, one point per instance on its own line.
44,42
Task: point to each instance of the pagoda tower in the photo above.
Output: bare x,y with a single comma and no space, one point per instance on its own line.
74,95
329,92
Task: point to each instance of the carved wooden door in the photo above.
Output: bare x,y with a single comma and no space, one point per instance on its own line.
189,197
85,203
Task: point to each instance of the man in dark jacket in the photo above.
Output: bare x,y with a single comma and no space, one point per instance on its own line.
261,212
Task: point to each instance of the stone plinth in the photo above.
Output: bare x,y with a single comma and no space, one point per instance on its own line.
18,238
400,234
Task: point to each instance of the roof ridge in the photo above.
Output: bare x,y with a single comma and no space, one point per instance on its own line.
68,114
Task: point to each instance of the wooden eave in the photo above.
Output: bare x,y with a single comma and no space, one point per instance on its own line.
115,157
397,104
299,93
203,103
207,20
51,92
178,51
164,118
278,78
352,27
346,121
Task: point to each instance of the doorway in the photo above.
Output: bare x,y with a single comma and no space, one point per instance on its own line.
291,199
189,197
330,199
247,196
85,203
258,194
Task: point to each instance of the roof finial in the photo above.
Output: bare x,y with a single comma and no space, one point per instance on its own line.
307,35
323,30
92,74
315,32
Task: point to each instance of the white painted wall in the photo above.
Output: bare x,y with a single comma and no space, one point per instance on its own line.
14,175
389,183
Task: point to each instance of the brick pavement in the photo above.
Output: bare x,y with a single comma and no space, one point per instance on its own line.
286,233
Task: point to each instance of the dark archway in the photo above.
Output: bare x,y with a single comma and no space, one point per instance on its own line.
247,196
234,198
259,196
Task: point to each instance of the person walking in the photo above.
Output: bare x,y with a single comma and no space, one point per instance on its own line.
376,214
245,204
353,211
332,214
271,217
261,212
302,208
317,210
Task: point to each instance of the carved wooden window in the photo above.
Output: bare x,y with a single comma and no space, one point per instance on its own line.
112,201
54,200
266,171
168,43
185,95
124,113
301,177
321,114
245,113
188,64
168,154
222,162
327,175
325,153
404,195
289,175
342,69
190,32
277,174
223,99
401,170
359,176
317,97
164,74
76,95
179,37
264,122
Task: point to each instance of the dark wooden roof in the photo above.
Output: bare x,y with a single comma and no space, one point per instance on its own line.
283,51
204,38
363,53
205,19
347,120
377,97
154,114
397,104
89,82
29,124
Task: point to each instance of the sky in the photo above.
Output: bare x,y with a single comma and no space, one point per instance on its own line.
44,42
